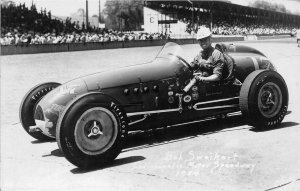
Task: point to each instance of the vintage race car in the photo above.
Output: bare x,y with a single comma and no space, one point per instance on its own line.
90,116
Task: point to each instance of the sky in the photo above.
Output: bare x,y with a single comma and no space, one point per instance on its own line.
68,7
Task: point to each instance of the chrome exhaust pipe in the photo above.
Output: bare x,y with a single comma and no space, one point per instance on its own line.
40,125
33,129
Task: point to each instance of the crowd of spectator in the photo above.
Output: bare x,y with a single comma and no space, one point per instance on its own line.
84,37
22,25
227,26
224,28
240,28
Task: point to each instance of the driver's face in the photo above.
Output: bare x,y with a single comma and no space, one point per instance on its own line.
205,42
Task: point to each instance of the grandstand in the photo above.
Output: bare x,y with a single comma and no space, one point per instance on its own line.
172,16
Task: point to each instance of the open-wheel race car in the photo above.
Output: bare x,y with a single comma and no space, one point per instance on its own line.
90,116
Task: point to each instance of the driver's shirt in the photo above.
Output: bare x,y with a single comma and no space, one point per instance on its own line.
214,58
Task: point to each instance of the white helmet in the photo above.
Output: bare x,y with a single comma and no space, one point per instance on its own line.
203,32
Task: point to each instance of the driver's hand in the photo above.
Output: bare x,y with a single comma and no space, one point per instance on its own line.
203,64
194,64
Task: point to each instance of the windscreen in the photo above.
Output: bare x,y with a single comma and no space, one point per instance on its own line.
170,49
175,53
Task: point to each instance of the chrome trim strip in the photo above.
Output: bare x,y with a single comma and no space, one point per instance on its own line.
219,100
151,112
234,114
178,109
215,107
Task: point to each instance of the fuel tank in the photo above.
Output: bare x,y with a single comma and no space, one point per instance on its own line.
247,60
243,49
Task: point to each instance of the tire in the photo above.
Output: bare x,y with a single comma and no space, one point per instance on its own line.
264,99
28,106
92,130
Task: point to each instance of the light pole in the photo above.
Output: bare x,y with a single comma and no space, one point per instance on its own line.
99,17
87,14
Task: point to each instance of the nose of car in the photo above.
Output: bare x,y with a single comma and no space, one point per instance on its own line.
44,122
50,107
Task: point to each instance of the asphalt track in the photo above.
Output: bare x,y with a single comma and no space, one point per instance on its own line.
212,155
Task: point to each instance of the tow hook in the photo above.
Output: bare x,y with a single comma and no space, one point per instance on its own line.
180,102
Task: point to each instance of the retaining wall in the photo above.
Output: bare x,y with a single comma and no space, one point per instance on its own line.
45,48
273,37
266,37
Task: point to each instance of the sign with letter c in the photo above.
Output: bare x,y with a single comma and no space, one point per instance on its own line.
151,20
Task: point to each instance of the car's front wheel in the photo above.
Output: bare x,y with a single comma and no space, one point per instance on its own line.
264,99
91,131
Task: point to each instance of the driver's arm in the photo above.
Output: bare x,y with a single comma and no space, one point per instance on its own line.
216,76
211,78
218,67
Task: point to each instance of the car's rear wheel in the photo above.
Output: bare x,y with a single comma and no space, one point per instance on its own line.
91,131
264,99
28,106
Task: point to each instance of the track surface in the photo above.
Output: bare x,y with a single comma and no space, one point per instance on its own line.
226,155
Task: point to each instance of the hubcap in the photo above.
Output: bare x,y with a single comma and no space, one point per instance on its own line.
269,99
96,130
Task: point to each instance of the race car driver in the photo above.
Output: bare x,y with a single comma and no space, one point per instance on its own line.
209,63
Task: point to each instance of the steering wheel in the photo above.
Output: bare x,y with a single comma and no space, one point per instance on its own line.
184,62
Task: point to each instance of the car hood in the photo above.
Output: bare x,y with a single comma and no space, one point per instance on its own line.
160,68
